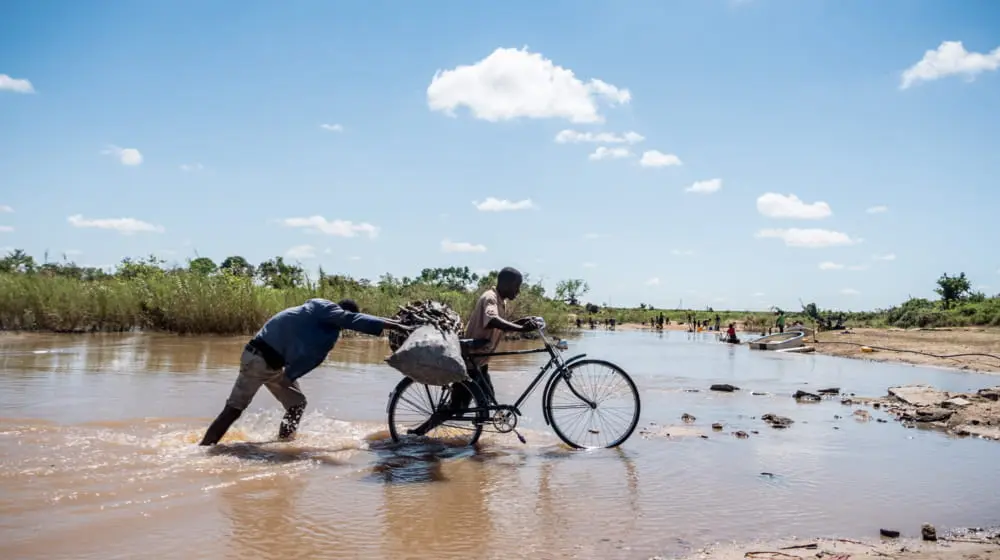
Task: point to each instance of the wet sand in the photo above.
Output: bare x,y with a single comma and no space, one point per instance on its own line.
847,344
974,546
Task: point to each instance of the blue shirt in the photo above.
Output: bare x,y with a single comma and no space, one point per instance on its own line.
304,335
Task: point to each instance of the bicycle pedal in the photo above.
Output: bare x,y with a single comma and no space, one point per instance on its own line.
520,437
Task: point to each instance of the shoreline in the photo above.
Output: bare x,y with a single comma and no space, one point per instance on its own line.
917,347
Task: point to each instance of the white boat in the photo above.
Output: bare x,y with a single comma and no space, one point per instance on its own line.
779,341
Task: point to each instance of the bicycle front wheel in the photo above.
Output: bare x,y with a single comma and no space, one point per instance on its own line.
593,403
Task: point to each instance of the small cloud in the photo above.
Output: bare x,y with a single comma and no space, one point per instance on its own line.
811,238
653,282
72,252
461,247
496,205
332,127
885,257
705,187
758,294
655,158
16,85
574,137
301,252
589,265
127,156
515,83
4,209
189,167
594,236
830,266
354,258
681,252
603,152
124,226
850,292
877,209
338,228
6,229
950,59
774,205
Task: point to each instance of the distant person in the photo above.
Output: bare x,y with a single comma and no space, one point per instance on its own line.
289,345
579,322
718,321
780,323
731,334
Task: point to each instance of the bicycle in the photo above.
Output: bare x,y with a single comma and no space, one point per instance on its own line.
484,410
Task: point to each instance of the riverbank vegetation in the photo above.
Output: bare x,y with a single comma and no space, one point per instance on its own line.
235,297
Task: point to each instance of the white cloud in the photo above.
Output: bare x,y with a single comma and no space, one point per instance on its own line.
496,205
830,266
603,152
812,238
655,158
127,156
589,265
448,246
594,236
16,85
301,252
72,252
6,229
950,59
705,187
125,226
885,257
332,127
880,209
681,252
574,137
514,83
850,292
192,167
4,209
354,258
339,228
653,282
774,205
758,294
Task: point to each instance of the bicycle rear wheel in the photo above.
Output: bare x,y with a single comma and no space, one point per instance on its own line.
615,399
412,404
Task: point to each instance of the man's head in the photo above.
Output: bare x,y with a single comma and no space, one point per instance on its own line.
349,305
509,283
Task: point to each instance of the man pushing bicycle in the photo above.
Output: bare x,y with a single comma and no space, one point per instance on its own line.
485,326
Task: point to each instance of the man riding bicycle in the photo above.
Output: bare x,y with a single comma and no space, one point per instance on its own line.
486,326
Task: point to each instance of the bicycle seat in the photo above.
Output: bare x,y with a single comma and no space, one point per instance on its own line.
468,344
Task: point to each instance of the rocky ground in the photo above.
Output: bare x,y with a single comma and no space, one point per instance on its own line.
967,544
962,414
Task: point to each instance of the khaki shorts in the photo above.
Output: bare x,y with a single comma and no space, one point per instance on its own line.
254,372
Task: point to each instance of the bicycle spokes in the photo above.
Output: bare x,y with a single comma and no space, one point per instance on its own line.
595,406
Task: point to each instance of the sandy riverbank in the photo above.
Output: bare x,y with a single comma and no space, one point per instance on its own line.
939,342
965,545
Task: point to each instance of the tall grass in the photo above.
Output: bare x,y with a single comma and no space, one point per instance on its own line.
190,303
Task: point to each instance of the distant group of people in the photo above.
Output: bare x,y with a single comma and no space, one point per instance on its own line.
608,323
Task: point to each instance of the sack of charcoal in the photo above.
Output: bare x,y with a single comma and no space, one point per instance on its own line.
431,356
419,313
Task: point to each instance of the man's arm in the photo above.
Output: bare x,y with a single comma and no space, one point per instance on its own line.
368,324
498,322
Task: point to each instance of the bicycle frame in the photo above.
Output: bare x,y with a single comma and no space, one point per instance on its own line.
555,359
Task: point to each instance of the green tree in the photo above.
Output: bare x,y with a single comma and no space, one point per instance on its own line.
17,261
277,274
203,266
131,268
952,288
237,266
571,290
453,278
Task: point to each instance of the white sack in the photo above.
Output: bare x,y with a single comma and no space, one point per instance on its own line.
431,357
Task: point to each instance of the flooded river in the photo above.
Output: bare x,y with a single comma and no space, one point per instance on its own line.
98,458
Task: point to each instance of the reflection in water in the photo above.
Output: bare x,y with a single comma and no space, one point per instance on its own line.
98,458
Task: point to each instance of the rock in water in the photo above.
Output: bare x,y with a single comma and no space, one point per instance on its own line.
829,391
918,395
804,396
724,387
890,533
928,532
428,312
776,421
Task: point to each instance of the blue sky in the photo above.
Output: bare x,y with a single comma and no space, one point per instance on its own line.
722,152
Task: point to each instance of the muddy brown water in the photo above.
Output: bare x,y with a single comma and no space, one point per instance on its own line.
98,458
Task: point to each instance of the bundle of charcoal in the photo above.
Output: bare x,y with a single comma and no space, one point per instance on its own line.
420,313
